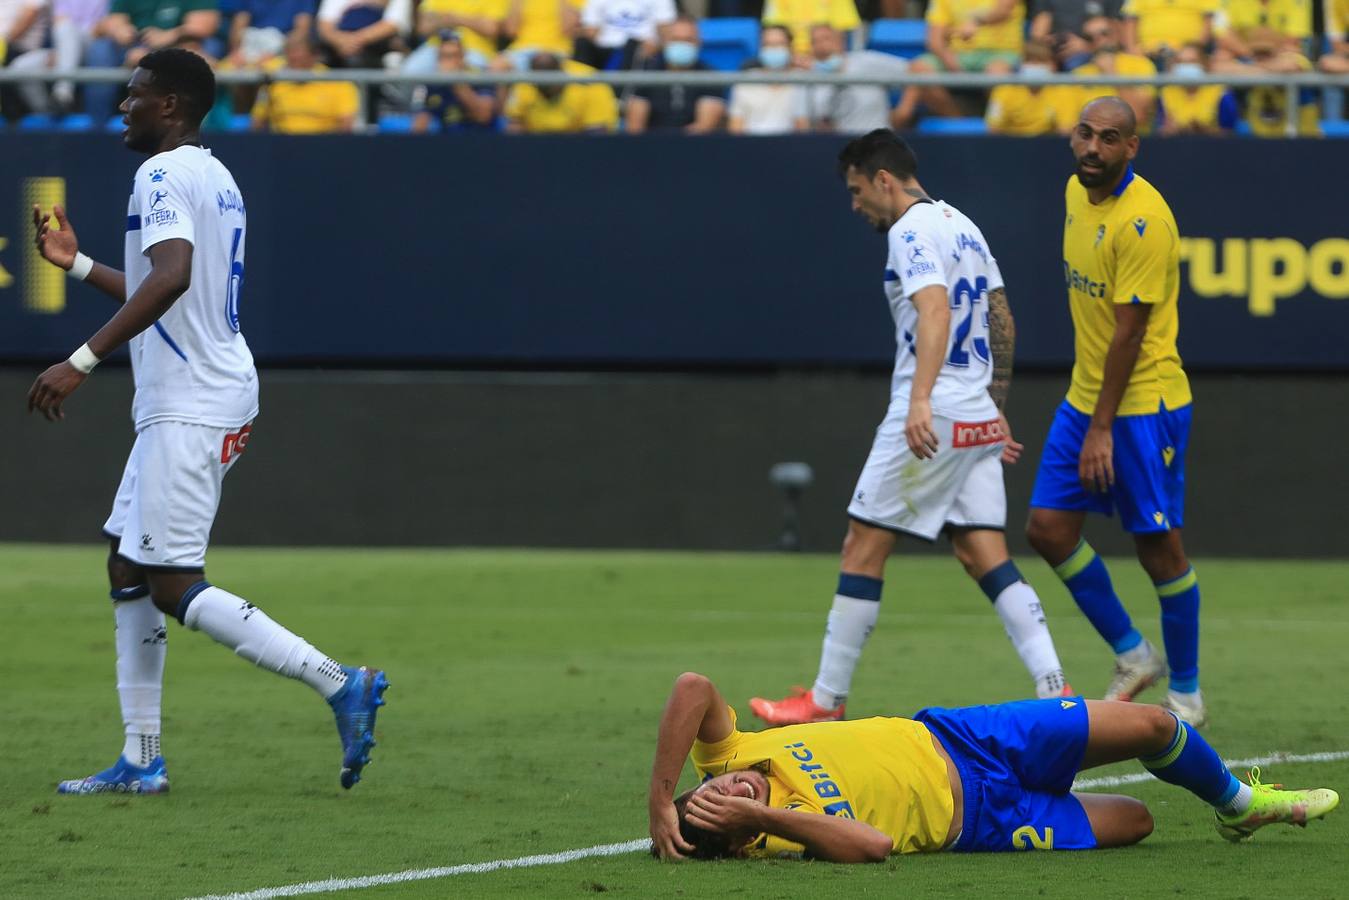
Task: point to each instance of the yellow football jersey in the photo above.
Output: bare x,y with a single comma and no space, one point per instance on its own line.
1125,249
882,771
1170,23
1007,35
1018,110
800,15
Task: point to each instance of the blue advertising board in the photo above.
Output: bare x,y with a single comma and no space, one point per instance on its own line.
480,250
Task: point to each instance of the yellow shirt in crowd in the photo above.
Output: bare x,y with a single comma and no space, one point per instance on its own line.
580,107
799,15
1017,110
1337,19
881,771
1170,23
473,42
313,107
1008,35
541,26
1267,109
1125,249
1193,107
1291,18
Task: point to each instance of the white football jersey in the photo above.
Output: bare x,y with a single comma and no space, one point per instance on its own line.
192,365
936,244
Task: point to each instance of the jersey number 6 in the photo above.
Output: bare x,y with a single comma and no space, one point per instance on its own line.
236,283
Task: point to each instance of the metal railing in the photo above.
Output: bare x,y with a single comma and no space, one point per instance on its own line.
1292,84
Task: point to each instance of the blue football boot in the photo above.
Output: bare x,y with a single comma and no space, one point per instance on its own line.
122,778
355,706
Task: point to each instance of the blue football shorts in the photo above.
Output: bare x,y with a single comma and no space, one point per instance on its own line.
1017,762
1149,489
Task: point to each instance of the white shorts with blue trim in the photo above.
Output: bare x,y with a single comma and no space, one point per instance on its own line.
960,486
170,491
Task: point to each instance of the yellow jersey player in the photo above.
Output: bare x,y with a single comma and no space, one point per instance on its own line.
984,778
1118,440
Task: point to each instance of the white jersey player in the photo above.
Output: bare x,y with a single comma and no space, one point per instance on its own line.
196,397
936,463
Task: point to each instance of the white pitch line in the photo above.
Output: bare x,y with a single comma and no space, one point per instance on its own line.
351,884
1275,757
566,856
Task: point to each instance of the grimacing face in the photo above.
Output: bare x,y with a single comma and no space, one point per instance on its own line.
870,199
748,783
1100,147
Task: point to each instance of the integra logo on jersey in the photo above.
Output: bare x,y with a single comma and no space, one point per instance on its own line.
229,200
966,242
158,198
975,434
159,217
1081,281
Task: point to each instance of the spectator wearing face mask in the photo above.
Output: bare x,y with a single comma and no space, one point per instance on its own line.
1199,108
767,108
694,110
855,109
1027,110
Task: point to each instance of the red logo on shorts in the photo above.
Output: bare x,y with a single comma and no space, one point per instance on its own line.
235,443
975,434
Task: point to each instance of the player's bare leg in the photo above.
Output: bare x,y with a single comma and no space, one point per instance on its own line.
852,618
1176,753
141,639
983,554
354,694
1162,555
1116,820
1056,534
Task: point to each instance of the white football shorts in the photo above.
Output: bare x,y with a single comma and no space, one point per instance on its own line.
960,486
170,491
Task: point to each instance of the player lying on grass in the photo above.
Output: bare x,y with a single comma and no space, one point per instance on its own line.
984,778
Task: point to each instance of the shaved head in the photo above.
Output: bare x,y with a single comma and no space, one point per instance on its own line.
1114,111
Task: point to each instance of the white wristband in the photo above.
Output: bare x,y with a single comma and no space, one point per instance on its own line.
83,359
80,269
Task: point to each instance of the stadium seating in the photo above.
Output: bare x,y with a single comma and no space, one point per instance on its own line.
728,43
395,123
899,37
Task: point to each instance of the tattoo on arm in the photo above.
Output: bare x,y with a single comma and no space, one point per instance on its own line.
1002,343
916,194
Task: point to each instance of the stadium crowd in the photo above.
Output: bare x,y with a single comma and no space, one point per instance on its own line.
871,38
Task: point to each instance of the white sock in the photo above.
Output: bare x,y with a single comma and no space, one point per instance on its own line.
1024,621
252,634
1240,803
850,624
142,642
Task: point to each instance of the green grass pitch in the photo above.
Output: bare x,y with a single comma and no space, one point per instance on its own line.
526,691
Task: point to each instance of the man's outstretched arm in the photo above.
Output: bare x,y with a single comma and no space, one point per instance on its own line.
61,248
695,710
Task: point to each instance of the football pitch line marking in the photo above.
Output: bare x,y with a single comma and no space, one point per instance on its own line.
566,856
1085,784
351,884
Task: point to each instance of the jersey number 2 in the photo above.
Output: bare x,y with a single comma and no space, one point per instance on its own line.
1026,838
977,294
236,283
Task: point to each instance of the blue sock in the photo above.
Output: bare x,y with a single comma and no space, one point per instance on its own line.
1085,576
1192,764
1180,629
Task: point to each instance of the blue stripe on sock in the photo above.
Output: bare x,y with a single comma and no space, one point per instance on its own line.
188,596
1000,579
1180,630
1128,642
1232,788
135,592
860,587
